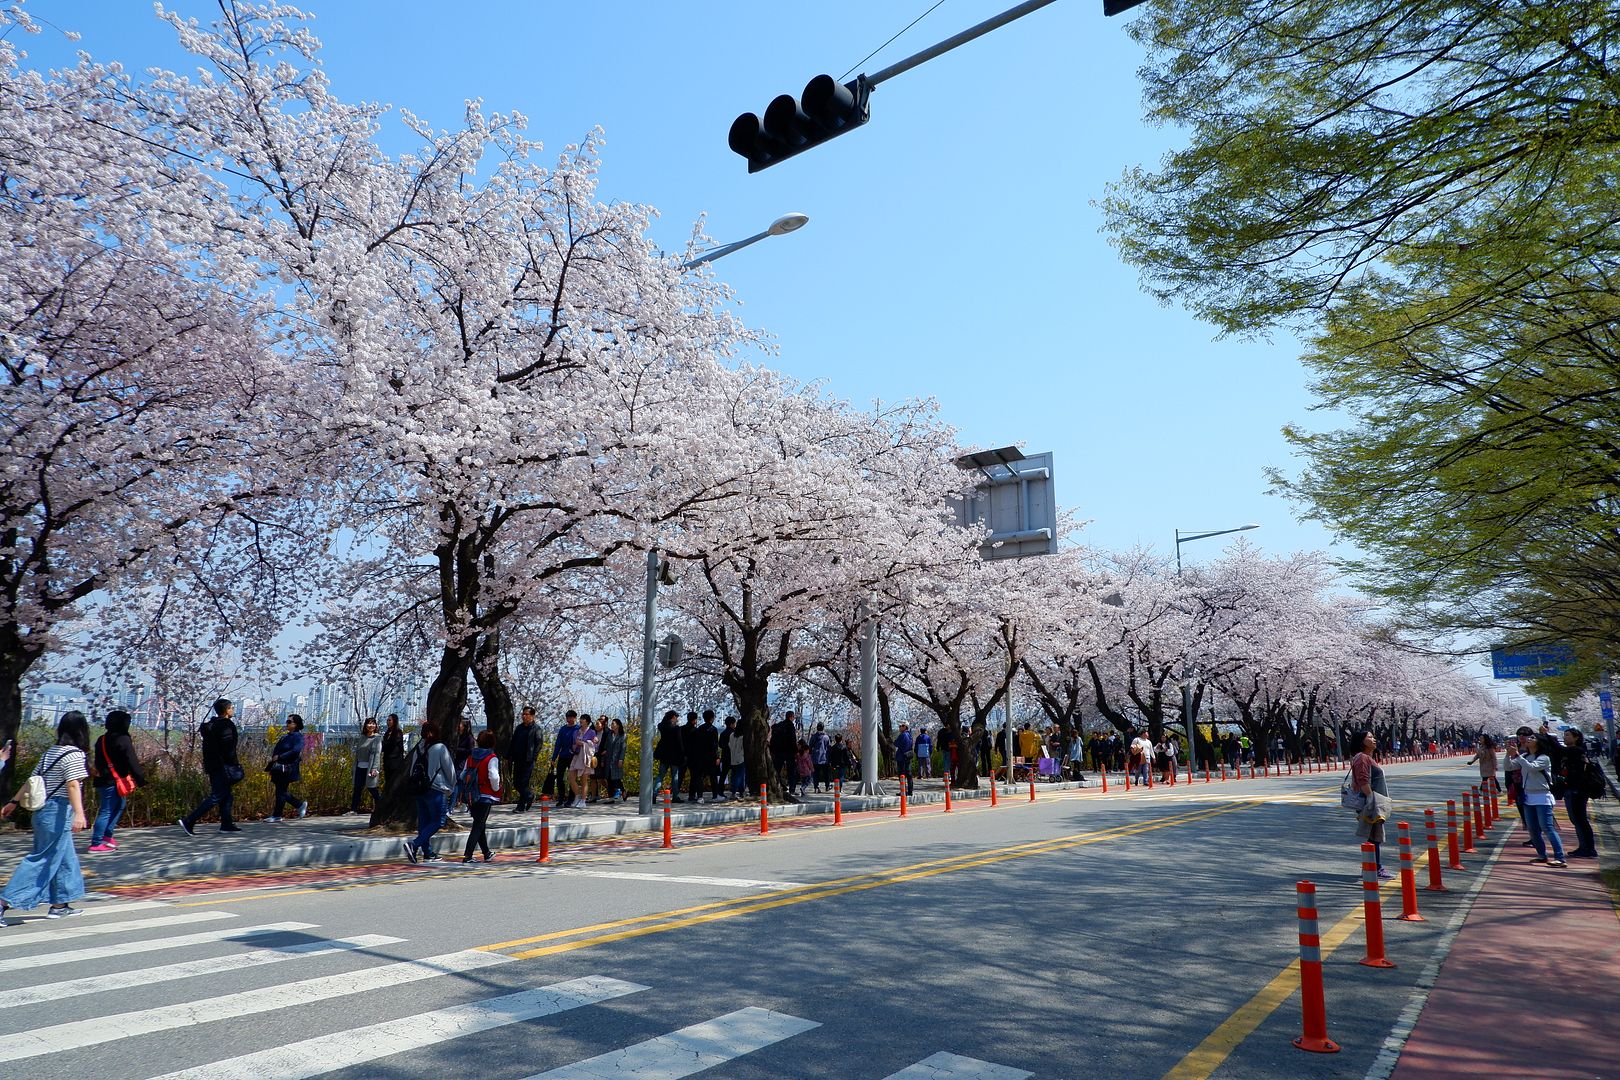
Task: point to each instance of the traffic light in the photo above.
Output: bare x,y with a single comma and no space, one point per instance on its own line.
1114,7
826,108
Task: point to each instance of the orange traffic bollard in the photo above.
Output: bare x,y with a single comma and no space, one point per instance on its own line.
669,839
1479,814
1409,908
1452,861
993,786
545,830
1372,909
838,801
947,794
1468,824
1223,772
1032,785
1432,835
1251,770
1496,801
1127,778
764,811
1104,770
1312,1003
902,796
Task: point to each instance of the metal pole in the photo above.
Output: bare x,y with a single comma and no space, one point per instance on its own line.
995,22
649,666
869,718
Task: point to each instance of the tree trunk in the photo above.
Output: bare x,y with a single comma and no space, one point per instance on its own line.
15,659
446,704
751,697
499,716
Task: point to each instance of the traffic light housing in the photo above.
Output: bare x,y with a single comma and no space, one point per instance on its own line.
1114,7
790,126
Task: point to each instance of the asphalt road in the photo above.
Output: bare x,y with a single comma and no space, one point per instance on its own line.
1082,935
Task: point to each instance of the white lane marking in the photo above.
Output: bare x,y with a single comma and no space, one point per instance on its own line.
358,1046
101,1029
627,875
101,952
189,969
60,931
106,904
689,1050
943,1066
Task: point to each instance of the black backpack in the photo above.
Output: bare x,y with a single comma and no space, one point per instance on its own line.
421,781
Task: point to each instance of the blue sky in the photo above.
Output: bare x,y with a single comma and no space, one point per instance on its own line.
953,250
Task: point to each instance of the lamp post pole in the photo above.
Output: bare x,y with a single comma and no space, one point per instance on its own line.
1188,720
649,627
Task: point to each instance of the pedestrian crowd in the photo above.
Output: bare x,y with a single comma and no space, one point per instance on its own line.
1535,769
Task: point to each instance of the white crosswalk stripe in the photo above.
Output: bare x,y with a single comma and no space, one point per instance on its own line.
358,1046
60,931
943,1066
101,952
689,1050
190,969
81,1033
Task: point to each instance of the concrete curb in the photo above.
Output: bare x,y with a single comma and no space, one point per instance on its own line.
340,851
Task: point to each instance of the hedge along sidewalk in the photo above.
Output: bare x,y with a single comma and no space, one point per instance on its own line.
165,853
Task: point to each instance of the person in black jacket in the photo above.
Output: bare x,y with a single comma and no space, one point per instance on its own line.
524,750
112,758
1581,778
690,752
219,735
285,760
702,755
668,755
393,756
784,753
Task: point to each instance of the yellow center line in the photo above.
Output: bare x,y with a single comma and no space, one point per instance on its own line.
707,913
1210,1054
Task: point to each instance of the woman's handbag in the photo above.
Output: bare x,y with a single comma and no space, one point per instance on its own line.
124,785
1349,797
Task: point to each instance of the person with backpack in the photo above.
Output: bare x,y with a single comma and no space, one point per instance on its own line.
431,774
1533,762
51,870
285,758
923,747
1582,782
219,736
481,779
117,774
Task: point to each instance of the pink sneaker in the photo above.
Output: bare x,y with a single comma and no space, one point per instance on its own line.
110,842
101,847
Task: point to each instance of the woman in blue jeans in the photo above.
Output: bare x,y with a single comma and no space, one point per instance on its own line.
51,871
1534,765
112,758
430,804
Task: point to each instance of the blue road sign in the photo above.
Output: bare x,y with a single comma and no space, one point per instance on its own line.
1606,703
1531,661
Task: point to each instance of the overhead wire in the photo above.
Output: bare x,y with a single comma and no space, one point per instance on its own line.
891,41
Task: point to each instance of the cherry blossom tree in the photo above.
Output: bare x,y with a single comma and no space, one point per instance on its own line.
140,397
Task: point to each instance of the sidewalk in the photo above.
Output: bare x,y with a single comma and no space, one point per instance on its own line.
1531,985
165,853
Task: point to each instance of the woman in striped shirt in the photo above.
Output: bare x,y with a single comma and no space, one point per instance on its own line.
51,871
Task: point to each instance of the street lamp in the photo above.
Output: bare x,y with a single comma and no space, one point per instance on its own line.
657,569
780,227
1187,717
